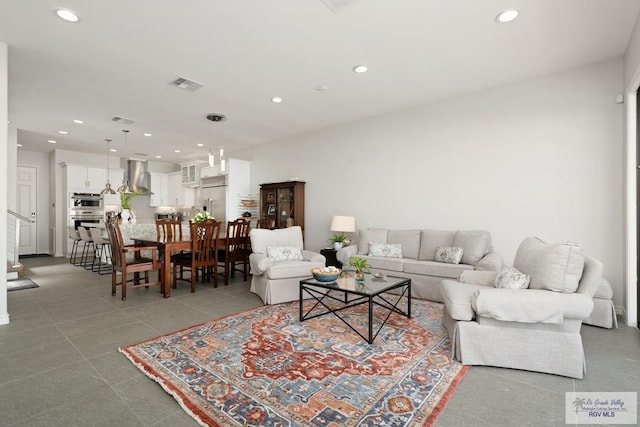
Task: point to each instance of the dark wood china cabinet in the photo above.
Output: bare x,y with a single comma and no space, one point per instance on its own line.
283,202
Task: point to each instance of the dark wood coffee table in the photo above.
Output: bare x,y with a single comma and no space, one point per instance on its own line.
345,293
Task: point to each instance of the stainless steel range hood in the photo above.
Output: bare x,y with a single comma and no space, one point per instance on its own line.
138,176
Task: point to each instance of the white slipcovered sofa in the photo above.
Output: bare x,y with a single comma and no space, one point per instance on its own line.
418,256
276,279
536,328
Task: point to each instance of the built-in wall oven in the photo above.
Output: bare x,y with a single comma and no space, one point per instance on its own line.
85,200
85,208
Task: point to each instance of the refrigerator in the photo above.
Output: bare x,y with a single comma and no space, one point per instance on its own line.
213,199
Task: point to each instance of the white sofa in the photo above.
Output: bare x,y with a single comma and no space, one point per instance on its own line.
537,328
278,281
418,256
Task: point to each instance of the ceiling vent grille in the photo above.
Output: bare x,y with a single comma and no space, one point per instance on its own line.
186,84
122,120
334,5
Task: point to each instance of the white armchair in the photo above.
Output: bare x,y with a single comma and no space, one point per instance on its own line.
276,279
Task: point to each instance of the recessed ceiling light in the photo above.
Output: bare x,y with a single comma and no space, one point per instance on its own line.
158,157
276,100
63,132
80,122
507,16
113,150
51,141
322,88
19,145
67,15
360,69
146,134
200,145
176,151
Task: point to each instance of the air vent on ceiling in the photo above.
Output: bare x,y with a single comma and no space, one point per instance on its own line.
186,84
141,154
122,120
334,5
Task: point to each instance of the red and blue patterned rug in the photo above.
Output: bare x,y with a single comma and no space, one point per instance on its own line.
263,367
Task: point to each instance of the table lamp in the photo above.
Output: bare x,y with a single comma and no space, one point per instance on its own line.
341,224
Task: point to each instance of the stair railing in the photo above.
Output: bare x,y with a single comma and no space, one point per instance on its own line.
13,236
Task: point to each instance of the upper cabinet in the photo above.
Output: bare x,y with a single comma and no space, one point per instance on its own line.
160,188
284,202
190,176
89,179
177,193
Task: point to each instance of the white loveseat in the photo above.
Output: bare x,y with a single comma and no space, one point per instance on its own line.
278,281
535,329
418,256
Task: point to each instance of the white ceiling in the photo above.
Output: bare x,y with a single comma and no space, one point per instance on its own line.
119,59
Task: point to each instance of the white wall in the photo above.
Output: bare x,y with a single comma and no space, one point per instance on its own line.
40,161
7,153
631,84
541,157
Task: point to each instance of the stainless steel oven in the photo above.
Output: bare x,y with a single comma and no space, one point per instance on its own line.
85,200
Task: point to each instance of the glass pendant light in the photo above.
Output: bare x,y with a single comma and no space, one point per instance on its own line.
125,187
107,187
216,117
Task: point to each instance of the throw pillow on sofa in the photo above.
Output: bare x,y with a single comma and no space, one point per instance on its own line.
284,253
377,235
554,267
387,250
511,278
449,254
476,244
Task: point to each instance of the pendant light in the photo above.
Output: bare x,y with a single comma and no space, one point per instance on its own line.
216,117
125,187
107,187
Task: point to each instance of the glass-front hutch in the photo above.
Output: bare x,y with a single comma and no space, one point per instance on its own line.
283,202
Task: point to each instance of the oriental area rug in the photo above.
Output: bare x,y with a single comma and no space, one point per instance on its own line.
263,367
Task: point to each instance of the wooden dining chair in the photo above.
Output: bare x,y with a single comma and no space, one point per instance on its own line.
266,223
236,250
127,259
169,229
204,253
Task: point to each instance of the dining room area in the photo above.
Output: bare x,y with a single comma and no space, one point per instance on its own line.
168,253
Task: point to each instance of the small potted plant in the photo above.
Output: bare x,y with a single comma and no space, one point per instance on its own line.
127,211
202,216
361,265
337,240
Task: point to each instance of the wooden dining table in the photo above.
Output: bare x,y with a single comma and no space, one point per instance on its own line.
165,248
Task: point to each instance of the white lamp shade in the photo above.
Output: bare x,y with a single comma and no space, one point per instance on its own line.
343,224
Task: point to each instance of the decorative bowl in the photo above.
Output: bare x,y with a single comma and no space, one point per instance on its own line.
248,203
324,276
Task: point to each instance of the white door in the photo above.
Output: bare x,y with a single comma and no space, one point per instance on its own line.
26,198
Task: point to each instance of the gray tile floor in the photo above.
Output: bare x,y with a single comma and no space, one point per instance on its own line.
60,365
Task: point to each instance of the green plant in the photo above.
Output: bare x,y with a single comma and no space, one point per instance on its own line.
360,264
340,238
125,198
202,216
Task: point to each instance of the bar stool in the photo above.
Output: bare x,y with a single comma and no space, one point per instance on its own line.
75,236
88,242
103,249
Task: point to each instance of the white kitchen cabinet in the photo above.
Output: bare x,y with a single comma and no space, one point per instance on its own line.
189,173
87,179
160,189
177,193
